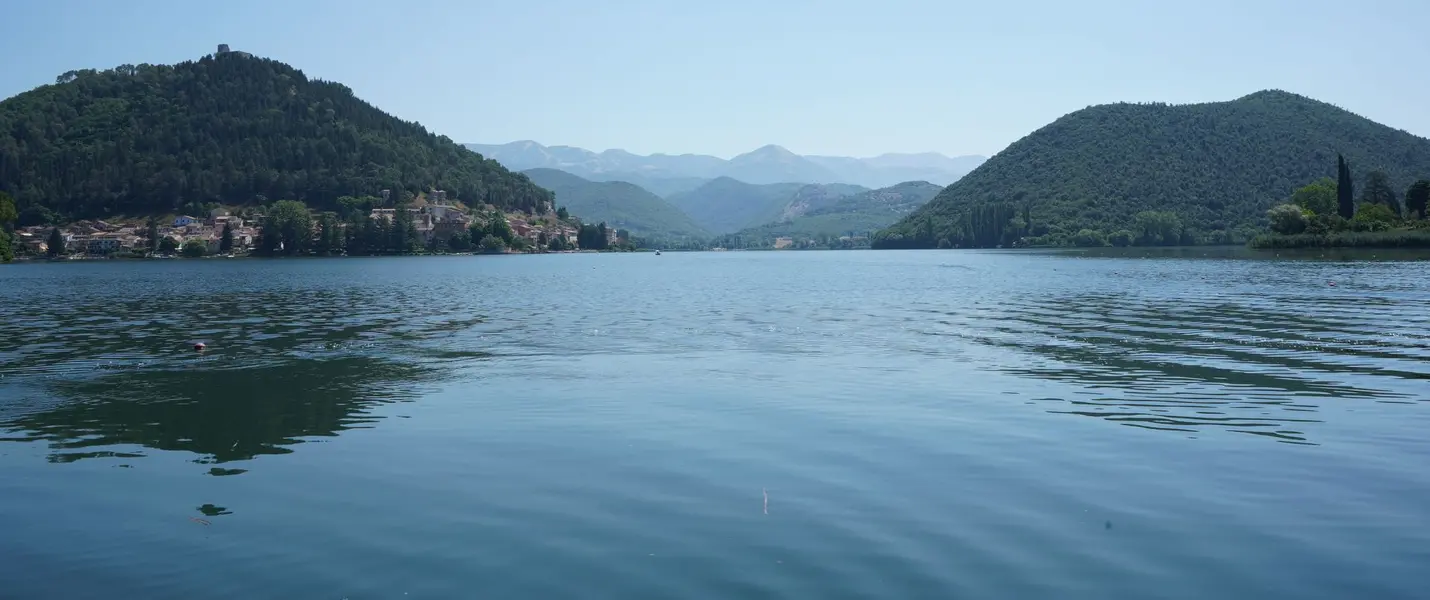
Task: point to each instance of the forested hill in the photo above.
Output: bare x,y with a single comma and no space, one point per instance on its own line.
618,204
1163,174
228,128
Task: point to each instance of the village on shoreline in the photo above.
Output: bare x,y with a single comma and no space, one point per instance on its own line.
431,225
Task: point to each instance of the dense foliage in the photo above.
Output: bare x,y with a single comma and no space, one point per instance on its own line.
227,128
8,215
1310,219
1417,197
619,203
1216,168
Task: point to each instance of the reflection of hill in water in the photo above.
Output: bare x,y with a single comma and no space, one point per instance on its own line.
293,353
222,415
1249,364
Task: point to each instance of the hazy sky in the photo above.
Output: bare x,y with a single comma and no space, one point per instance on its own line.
723,77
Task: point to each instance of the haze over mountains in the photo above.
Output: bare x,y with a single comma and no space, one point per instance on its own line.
667,174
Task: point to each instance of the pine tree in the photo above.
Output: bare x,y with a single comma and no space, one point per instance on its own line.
1377,190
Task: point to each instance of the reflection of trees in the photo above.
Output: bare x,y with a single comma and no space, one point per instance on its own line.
221,415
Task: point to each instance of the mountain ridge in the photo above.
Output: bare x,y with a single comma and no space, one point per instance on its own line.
621,205
851,214
767,164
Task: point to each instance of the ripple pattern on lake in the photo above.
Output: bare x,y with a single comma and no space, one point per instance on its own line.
608,426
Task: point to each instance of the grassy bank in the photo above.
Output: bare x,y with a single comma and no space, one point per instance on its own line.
1402,238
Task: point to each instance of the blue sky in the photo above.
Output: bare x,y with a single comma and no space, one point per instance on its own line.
818,77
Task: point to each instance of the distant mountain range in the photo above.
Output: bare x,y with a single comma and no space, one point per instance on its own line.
618,204
815,212
670,174
725,206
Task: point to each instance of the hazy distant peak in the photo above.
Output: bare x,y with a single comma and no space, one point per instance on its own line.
768,151
767,164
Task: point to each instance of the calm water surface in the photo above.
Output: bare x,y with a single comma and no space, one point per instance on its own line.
925,424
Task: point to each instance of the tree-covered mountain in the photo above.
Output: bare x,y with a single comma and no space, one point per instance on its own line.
228,128
667,174
1161,174
725,205
857,214
619,204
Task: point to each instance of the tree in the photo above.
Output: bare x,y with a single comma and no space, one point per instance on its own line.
287,229
167,245
498,227
1417,196
151,235
56,243
194,248
403,232
1288,219
460,241
1319,196
35,215
1088,238
1345,189
1158,228
1377,191
8,214
492,245
225,240
562,214
591,237
330,240
1373,217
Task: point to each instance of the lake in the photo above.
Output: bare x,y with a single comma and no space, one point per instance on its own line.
951,424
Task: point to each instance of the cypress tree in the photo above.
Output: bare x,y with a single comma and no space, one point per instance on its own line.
56,243
225,241
1345,189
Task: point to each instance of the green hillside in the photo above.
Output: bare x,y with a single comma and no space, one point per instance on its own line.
857,214
619,204
1198,173
725,205
228,128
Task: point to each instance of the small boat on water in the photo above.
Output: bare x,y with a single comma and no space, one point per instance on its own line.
657,252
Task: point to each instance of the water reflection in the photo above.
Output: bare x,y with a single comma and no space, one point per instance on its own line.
97,360
221,415
1245,363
